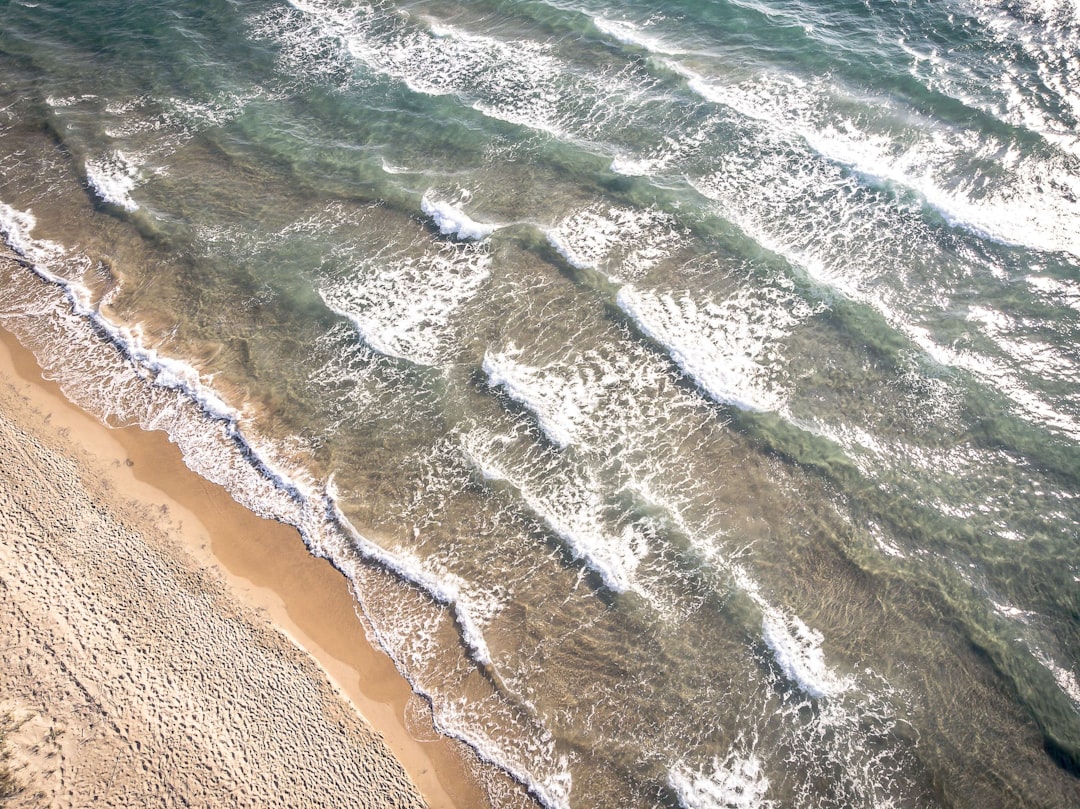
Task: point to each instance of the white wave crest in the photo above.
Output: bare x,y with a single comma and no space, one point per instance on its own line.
1065,679
165,372
113,178
1006,378
572,510
403,303
798,652
624,243
671,149
452,221
1008,201
471,609
560,409
137,385
726,348
630,33
737,782
795,646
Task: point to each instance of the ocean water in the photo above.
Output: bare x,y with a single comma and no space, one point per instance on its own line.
691,391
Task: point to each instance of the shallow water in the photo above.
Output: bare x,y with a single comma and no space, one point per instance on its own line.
691,396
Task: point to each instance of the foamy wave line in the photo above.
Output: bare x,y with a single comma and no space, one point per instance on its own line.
402,304
448,590
557,414
452,221
247,470
165,372
737,782
630,33
614,559
1011,216
795,646
624,243
697,358
113,179
1000,377
573,257
552,792
1066,679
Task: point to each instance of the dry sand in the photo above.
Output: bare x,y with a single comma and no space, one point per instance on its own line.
158,643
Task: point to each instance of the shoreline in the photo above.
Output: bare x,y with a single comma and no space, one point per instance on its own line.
268,569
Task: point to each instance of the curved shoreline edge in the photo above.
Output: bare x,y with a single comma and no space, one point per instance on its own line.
245,569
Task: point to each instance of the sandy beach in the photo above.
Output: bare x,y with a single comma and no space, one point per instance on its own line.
160,645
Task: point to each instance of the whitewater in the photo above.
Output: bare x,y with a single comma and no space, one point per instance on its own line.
689,394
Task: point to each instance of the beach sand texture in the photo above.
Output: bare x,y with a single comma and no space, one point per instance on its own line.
132,673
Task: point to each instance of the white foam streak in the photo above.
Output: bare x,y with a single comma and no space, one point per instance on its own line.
629,33
113,178
795,646
443,586
1020,213
452,221
842,272
624,243
1062,292
737,782
15,227
1065,679
163,371
1046,34
999,377
1021,208
403,303
798,652
560,409
520,81
725,348
666,152
573,514
511,81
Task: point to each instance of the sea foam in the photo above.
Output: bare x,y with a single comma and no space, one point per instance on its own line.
798,652
561,410
452,221
403,300
1065,679
113,178
630,33
571,506
622,242
793,108
737,782
443,586
725,348
795,646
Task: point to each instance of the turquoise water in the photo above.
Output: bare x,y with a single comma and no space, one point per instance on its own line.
689,393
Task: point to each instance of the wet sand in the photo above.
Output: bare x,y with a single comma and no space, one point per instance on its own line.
158,641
